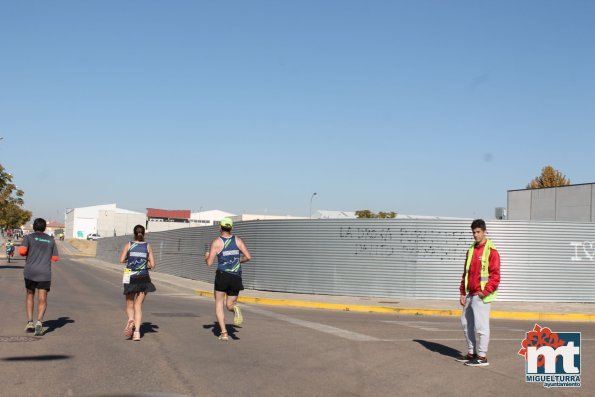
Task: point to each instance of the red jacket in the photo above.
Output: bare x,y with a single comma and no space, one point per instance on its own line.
473,284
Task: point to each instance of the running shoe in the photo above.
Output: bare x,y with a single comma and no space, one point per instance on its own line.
136,336
29,327
224,336
237,315
38,328
478,362
129,328
466,358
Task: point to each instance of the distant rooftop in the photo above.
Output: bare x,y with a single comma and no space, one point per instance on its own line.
168,214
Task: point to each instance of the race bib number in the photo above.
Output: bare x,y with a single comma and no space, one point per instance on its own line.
126,278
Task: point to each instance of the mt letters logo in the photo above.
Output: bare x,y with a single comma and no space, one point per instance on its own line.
552,358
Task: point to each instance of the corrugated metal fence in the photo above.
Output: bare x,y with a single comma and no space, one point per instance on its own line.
541,261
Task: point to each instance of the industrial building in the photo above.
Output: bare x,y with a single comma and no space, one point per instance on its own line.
105,220
159,220
572,203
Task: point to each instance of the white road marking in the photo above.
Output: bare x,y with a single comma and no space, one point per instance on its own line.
425,325
178,295
446,339
459,339
342,333
182,294
442,326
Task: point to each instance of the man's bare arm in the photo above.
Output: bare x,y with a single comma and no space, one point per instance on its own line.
210,255
243,250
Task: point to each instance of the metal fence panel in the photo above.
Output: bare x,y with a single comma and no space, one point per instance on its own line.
541,261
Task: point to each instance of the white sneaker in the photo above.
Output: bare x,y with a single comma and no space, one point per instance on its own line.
38,328
29,327
237,315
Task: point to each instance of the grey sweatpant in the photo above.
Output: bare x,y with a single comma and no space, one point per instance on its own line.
476,319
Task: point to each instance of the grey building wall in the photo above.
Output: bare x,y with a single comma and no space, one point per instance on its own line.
69,223
543,204
519,205
110,222
541,261
574,203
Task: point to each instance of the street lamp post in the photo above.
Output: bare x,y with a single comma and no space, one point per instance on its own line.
311,198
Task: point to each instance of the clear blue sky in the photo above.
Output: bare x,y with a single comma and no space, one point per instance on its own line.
420,107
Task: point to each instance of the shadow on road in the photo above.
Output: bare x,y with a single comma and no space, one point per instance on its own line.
46,357
231,330
439,348
148,328
57,323
11,267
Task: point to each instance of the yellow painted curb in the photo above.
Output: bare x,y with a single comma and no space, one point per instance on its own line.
339,306
537,316
203,293
533,316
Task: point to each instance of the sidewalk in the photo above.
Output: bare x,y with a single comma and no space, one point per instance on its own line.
533,311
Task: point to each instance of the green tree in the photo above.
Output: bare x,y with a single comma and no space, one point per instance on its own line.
370,214
364,214
12,213
549,177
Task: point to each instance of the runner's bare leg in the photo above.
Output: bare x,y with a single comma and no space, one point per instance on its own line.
231,302
42,299
29,304
130,306
219,311
138,310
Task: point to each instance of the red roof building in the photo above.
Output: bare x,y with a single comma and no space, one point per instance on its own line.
166,215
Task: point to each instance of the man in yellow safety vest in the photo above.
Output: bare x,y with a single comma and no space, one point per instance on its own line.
479,287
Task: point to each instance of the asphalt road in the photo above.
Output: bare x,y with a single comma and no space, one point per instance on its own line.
277,352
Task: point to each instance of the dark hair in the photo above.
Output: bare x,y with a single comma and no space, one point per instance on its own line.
39,225
478,223
226,229
139,233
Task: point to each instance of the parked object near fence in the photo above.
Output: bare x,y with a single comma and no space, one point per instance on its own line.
541,261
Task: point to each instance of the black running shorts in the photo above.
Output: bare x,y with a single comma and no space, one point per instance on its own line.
228,283
33,285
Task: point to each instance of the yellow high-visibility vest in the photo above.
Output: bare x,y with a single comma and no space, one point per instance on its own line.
485,274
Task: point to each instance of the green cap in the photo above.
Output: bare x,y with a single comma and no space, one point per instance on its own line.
226,222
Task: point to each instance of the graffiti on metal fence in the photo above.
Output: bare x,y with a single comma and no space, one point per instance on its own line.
390,241
384,234
583,250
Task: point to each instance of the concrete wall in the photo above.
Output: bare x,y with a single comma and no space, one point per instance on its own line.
519,205
69,224
84,226
574,203
110,223
543,204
